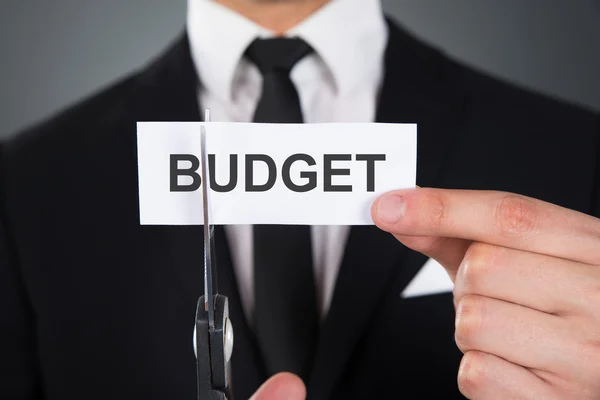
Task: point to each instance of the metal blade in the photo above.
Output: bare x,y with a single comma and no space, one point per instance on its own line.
209,305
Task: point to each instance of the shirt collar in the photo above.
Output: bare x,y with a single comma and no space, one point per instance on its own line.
348,35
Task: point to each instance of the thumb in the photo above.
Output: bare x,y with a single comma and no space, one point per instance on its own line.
449,252
283,386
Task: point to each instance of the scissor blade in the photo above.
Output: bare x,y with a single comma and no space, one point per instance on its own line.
208,233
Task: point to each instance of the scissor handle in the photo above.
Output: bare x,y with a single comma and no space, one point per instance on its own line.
213,351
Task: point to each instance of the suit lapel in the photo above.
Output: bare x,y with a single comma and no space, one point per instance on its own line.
422,86
168,92
419,86
169,87
365,270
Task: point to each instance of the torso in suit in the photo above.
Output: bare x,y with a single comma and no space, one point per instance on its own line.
95,306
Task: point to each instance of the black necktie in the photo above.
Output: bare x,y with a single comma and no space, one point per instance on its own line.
285,316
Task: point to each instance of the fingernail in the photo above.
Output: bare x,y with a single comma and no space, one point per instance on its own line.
391,208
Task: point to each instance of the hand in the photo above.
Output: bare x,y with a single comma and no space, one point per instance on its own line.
527,288
282,386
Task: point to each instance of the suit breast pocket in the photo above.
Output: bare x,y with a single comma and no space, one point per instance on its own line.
431,279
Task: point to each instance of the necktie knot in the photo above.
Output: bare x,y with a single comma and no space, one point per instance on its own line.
277,54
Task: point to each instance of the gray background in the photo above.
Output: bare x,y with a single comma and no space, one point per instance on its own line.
53,53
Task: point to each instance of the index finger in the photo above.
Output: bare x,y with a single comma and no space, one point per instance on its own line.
498,218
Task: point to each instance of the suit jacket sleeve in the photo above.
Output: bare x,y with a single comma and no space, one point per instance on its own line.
18,360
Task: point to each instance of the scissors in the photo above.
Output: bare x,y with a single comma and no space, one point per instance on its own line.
213,333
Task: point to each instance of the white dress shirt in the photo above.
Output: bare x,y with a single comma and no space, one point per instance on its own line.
337,83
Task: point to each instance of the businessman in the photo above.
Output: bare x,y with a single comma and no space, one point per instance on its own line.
95,306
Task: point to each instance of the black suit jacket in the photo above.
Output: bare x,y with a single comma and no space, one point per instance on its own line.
95,306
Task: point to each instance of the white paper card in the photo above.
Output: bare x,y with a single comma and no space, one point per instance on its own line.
336,190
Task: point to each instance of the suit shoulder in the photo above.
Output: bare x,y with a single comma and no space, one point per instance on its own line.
77,122
504,99
92,135
439,78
